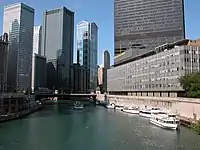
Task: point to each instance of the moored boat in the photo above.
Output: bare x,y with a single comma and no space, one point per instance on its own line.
131,110
148,111
119,108
110,106
164,120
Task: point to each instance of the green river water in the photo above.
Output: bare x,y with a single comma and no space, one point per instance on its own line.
59,127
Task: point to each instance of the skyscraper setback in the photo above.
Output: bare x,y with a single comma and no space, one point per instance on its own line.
145,24
18,22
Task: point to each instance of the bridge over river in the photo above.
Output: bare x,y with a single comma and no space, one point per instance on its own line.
65,97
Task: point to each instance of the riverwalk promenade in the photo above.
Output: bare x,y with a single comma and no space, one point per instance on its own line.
186,108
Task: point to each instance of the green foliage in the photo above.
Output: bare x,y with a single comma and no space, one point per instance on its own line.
191,84
102,88
196,127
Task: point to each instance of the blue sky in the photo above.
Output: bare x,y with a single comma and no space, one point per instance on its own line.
101,12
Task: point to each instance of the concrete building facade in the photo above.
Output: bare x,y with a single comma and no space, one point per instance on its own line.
18,22
3,62
57,46
156,73
87,44
144,25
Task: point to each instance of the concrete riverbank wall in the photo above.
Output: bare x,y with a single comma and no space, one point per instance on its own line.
20,114
185,107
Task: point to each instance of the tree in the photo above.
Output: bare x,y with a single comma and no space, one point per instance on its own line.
102,88
191,84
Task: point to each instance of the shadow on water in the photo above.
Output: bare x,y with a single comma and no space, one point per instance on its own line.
60,121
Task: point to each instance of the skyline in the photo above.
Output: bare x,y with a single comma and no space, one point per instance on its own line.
89,11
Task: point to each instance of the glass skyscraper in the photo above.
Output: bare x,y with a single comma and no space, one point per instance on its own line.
146,24
18,22
87,44
57,46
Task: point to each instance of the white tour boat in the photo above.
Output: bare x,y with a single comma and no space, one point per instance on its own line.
148,111
110,106
131,110
164,120
78,105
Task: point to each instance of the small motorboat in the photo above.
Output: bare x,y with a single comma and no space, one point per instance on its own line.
78,105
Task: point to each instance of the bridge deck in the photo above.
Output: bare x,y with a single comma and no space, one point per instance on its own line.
66,94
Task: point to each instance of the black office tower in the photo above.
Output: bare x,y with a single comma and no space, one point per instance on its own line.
141,25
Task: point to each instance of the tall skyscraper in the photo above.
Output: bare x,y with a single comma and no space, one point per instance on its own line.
146,24
38,61
18,22
106,65
57,46
87,43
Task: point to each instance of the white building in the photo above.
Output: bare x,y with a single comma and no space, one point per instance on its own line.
18,22
37,37
100,75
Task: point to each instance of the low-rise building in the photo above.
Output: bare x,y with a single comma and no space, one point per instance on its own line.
3,62
38,71
79,79
157,72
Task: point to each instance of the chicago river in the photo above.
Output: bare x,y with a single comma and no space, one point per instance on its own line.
59,127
